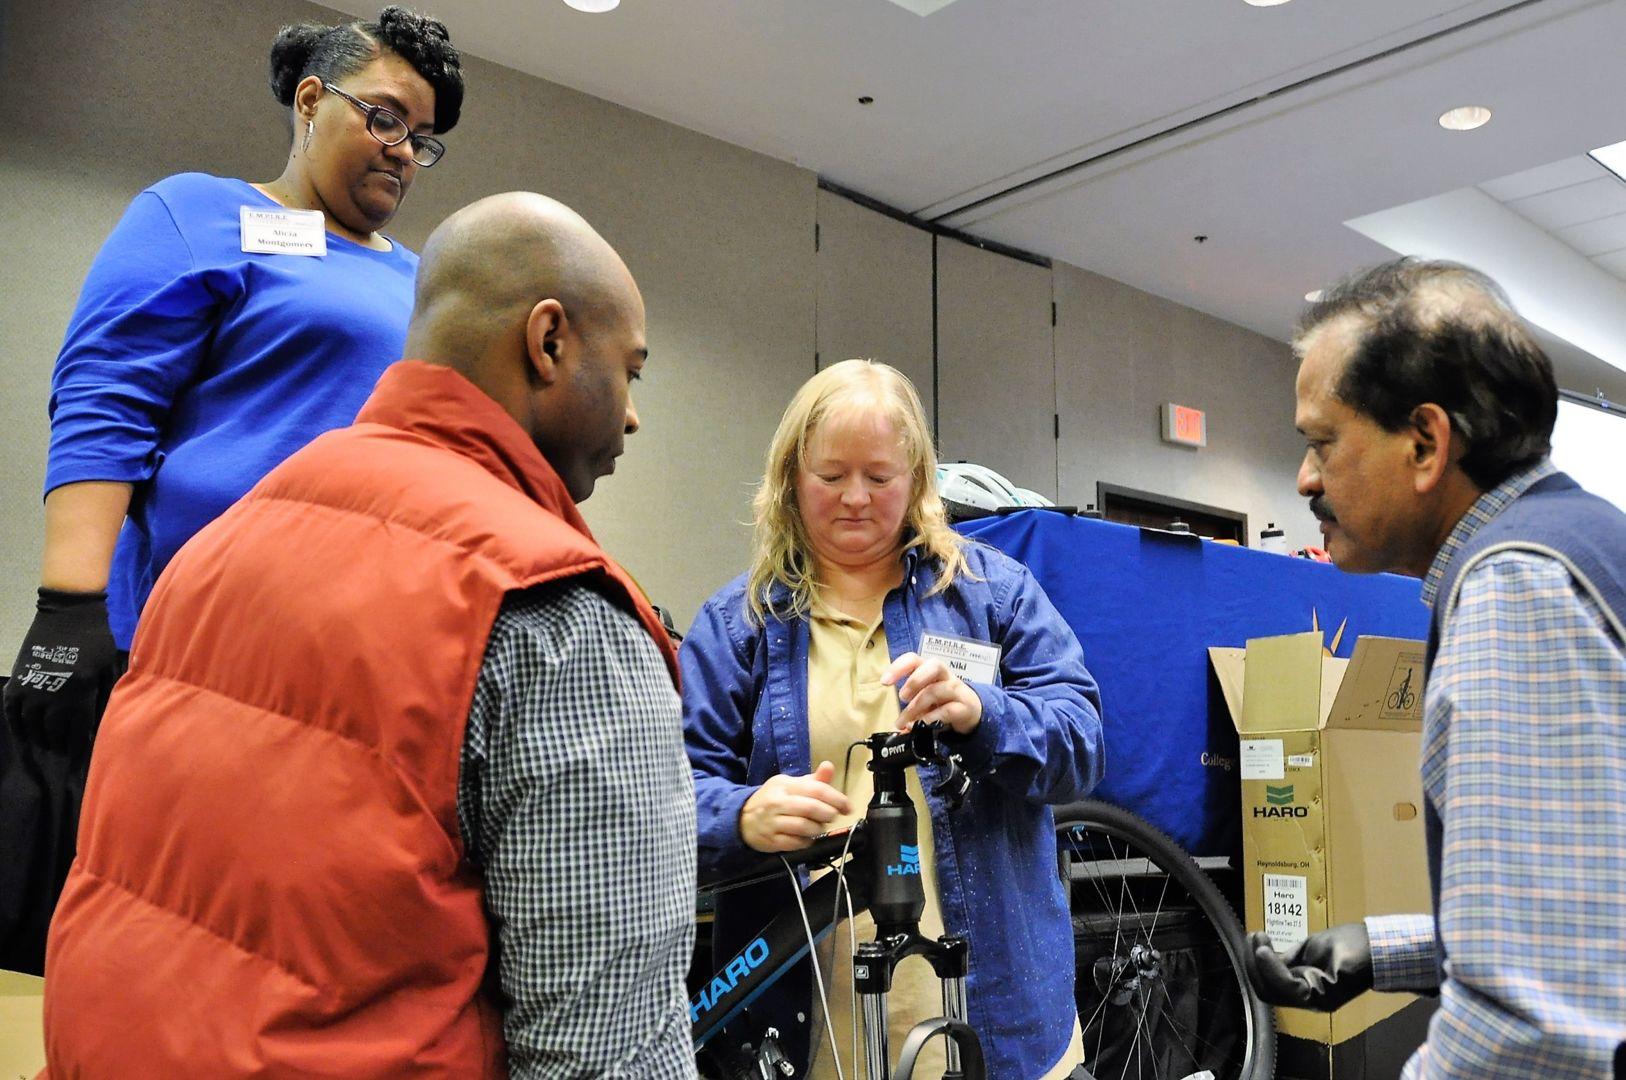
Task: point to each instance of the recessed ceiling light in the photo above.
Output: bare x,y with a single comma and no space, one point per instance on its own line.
1465,118
1611,157
593,6
1314,296
1264,3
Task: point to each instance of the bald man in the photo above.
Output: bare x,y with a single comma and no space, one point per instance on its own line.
395,785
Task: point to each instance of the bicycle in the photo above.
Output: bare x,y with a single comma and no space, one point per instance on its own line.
1168,997
878,869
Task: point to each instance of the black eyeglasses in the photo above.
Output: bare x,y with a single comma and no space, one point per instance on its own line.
391,130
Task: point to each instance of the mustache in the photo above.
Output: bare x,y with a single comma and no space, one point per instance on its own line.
1319,507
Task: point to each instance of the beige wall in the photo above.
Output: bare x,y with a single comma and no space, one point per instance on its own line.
996,365
875,291
1008,378
1122,353
106,98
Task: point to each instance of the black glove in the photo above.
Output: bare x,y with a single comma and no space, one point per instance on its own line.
666,622
64,672
1327,970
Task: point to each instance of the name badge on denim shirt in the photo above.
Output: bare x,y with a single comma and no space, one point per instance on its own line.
971,660
283,231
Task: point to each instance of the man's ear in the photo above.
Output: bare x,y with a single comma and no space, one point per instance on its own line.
1434,446
545,329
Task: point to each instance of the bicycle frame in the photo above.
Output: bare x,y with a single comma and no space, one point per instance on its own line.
881,875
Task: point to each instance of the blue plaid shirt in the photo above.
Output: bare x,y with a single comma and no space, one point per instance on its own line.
1524,755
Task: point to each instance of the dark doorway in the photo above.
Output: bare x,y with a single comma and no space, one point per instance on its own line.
1146,508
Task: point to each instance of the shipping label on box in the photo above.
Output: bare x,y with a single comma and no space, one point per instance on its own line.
1287,909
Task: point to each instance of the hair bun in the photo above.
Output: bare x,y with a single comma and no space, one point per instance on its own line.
399,21
290,55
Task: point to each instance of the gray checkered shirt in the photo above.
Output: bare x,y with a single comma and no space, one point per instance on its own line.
576,802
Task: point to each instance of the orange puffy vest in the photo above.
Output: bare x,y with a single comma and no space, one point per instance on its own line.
271,879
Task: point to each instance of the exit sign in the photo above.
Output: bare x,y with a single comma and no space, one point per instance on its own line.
1184,425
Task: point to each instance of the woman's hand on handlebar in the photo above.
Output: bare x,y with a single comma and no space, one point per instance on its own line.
787,812
931,693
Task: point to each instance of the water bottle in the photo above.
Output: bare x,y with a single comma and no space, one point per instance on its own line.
1272,539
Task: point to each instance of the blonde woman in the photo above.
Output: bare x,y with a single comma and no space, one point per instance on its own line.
820,643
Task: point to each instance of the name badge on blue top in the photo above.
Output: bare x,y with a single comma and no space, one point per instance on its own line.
281,231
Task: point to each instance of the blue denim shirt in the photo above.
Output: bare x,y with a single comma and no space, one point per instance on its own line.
1039,743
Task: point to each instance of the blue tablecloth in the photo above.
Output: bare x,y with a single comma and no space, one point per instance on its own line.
1146,606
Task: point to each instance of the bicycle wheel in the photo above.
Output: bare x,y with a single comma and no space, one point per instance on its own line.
1162,987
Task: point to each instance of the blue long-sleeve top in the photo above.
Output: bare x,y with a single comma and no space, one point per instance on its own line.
191,368
1039,743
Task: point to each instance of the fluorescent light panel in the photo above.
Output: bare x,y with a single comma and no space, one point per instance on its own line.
922,7
1611,157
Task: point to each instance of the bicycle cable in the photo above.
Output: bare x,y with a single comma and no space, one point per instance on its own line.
813,958
847,762
843,893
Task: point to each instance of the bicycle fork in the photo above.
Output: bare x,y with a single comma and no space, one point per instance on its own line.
873,965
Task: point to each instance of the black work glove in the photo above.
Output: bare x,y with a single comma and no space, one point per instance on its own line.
1327,970
64,672
665,617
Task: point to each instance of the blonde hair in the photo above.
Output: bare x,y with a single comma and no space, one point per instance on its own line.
781,555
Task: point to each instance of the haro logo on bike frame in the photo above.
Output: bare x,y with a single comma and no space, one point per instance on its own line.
745,961
1281,804
908,862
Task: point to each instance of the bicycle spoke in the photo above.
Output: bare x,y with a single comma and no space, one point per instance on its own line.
1099,1010
1123,891
1106,901
1100,1033
1141,1018
1188,1040
1124,882
1133,1055
1157,911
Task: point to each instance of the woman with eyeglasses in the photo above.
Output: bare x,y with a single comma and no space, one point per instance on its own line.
223,325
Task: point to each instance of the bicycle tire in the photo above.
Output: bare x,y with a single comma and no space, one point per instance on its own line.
1169,996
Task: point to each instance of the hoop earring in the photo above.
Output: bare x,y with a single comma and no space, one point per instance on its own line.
310,129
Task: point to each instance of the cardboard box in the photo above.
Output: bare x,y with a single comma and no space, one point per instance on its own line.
22,1042
1332,824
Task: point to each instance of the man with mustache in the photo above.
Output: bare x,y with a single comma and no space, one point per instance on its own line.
1428,407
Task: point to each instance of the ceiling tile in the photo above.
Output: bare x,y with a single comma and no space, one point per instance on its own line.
1596,237
1614,262
1558,174
1574,205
